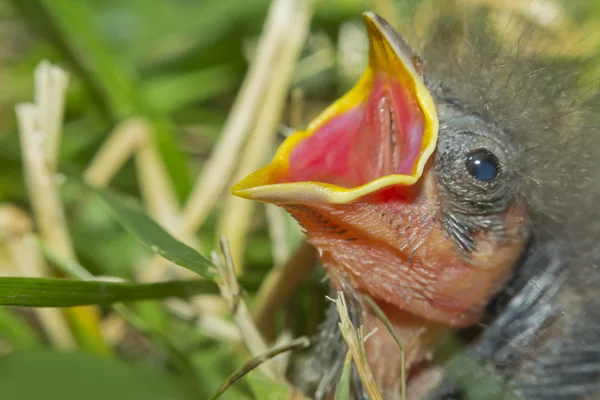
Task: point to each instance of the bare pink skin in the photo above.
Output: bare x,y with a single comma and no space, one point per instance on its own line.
392,247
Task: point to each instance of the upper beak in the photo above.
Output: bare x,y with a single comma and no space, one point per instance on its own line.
380,134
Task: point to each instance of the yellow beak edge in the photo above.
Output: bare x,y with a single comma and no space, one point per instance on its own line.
389,54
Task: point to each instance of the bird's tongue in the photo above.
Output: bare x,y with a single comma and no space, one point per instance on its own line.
380,134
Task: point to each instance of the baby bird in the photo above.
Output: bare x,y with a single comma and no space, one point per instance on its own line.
456,189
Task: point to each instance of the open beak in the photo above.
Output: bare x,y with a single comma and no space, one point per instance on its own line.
380,134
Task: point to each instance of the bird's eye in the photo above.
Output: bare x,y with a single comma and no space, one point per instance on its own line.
483,165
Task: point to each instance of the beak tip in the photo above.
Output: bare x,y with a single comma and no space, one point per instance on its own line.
369,15
241,193
375,21
237,190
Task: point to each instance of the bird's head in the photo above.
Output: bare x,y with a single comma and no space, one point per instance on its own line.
406,194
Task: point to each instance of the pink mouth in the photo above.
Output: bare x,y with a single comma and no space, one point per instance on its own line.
379,137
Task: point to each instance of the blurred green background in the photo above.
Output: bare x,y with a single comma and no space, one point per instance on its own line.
179,65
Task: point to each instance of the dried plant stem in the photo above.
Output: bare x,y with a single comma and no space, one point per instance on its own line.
211,325
134,137
250,365
39,128
114,152
388,325
39,174
230,291
237,212
157,191
31,263
280,283
17,235
51,85
219,168
355,341
282,362
276,220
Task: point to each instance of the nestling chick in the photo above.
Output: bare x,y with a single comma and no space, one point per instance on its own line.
436,184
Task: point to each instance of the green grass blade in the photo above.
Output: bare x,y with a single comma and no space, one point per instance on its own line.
195,26
68,26
138,223
48,292
342,391
169,93
264,388
148,318
72,30
49,374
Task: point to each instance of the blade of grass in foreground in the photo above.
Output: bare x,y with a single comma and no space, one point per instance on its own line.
139,224
47,292
51,374
149,326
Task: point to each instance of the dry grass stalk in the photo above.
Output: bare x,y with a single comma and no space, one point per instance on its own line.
17,234
156,188
218,170
355,340
276,221
388,325
237,212
40,130
231,293
211,325
114,328
134,138
277,51
282,362
38,137
114,152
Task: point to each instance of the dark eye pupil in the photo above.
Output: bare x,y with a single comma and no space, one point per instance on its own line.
483,165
